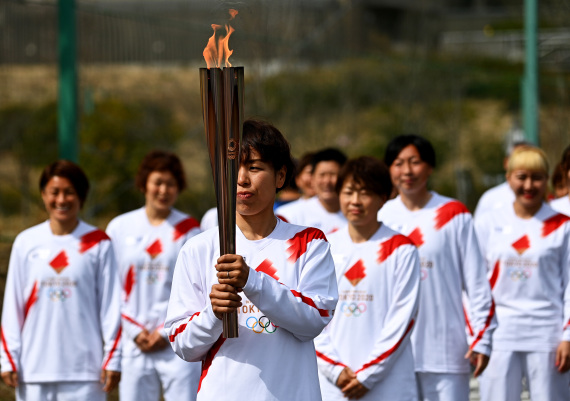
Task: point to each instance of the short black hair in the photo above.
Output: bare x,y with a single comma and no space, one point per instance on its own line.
271,145
396,145
329,155
160,160
69,170
369,172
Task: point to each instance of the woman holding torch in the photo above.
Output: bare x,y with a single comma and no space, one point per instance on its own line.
281,283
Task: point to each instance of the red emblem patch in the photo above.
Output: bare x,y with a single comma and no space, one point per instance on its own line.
60,262
521,245
356,273
267,267
154,249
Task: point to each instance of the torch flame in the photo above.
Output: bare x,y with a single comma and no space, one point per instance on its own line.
217,50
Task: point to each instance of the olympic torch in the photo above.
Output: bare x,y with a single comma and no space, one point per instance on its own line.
222,108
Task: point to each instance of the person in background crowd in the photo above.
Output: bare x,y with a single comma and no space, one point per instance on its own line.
497,196
558,181
147,242
287,195
451,262
365,352
323,210
209,219
281,283
527,248
301,185
304,176
61,316
562,204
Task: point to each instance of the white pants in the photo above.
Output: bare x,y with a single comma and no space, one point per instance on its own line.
443,386
502,380
145,374
60,391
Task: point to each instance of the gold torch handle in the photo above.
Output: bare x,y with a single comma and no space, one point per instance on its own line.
222,107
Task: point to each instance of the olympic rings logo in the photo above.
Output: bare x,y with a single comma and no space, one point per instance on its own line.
353,309
59,295
519,274
260,325
152,278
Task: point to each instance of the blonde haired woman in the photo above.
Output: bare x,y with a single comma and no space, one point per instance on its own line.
526,245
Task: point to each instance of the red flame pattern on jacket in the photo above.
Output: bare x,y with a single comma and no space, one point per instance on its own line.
91,239
298,244
553,223
389,246
445,213
184,226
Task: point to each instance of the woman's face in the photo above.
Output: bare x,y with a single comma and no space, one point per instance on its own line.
304,181
324,180
61,200
409,172
161,191
529,187
256,185
359,205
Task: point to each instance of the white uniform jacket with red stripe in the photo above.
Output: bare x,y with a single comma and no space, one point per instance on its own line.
61,313
288,299
450,262
146,256
379,287
529,263
311,213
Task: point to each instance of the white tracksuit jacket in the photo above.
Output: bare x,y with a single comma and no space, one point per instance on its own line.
311,213
146,256
379,286
61,314
528,262
450,262
289,297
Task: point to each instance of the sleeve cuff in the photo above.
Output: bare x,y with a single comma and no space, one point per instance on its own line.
362,378
252,281
213,321
335,373
132,332
482,349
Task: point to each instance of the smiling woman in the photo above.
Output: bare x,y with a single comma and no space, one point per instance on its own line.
527,175
61,272
61,198
451,263
365,353
147,241
526,245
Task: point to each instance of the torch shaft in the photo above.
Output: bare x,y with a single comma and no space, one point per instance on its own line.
222,100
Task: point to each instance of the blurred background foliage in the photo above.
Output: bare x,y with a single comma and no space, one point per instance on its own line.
464,107
350,74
